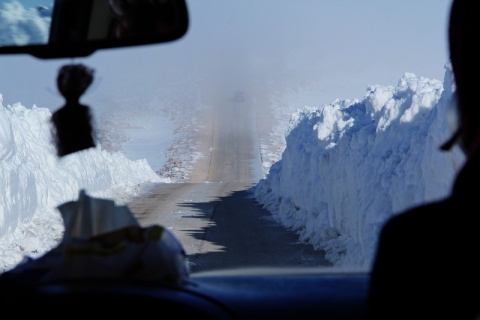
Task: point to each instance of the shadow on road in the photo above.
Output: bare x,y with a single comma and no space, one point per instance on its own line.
247,236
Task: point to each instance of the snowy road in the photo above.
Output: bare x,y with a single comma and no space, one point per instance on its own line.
213,215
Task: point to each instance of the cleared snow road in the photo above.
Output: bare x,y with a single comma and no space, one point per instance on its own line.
213,215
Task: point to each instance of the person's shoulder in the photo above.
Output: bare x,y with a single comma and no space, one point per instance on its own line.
420,217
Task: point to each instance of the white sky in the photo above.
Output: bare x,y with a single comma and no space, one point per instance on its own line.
371,43
335,47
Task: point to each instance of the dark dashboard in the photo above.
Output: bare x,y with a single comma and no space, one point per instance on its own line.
227,294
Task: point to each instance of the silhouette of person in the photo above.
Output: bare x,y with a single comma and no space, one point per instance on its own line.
426,264
73,130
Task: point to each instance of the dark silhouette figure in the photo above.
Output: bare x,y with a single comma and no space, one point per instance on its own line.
73,130
426,264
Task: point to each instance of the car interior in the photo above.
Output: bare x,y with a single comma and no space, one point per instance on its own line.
78,29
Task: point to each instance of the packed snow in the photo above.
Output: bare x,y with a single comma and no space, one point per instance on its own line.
351,164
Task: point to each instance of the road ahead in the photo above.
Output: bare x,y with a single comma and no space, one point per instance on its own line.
214,216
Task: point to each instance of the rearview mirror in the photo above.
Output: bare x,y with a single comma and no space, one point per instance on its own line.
77,28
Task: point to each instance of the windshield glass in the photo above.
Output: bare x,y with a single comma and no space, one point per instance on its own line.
274,133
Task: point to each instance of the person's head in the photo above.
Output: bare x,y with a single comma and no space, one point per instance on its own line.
73,80
463,36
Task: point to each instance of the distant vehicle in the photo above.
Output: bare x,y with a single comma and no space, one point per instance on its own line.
239,96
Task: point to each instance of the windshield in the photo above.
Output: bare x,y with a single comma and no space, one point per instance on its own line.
274,133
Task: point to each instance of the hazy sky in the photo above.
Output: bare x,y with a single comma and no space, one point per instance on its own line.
330,48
